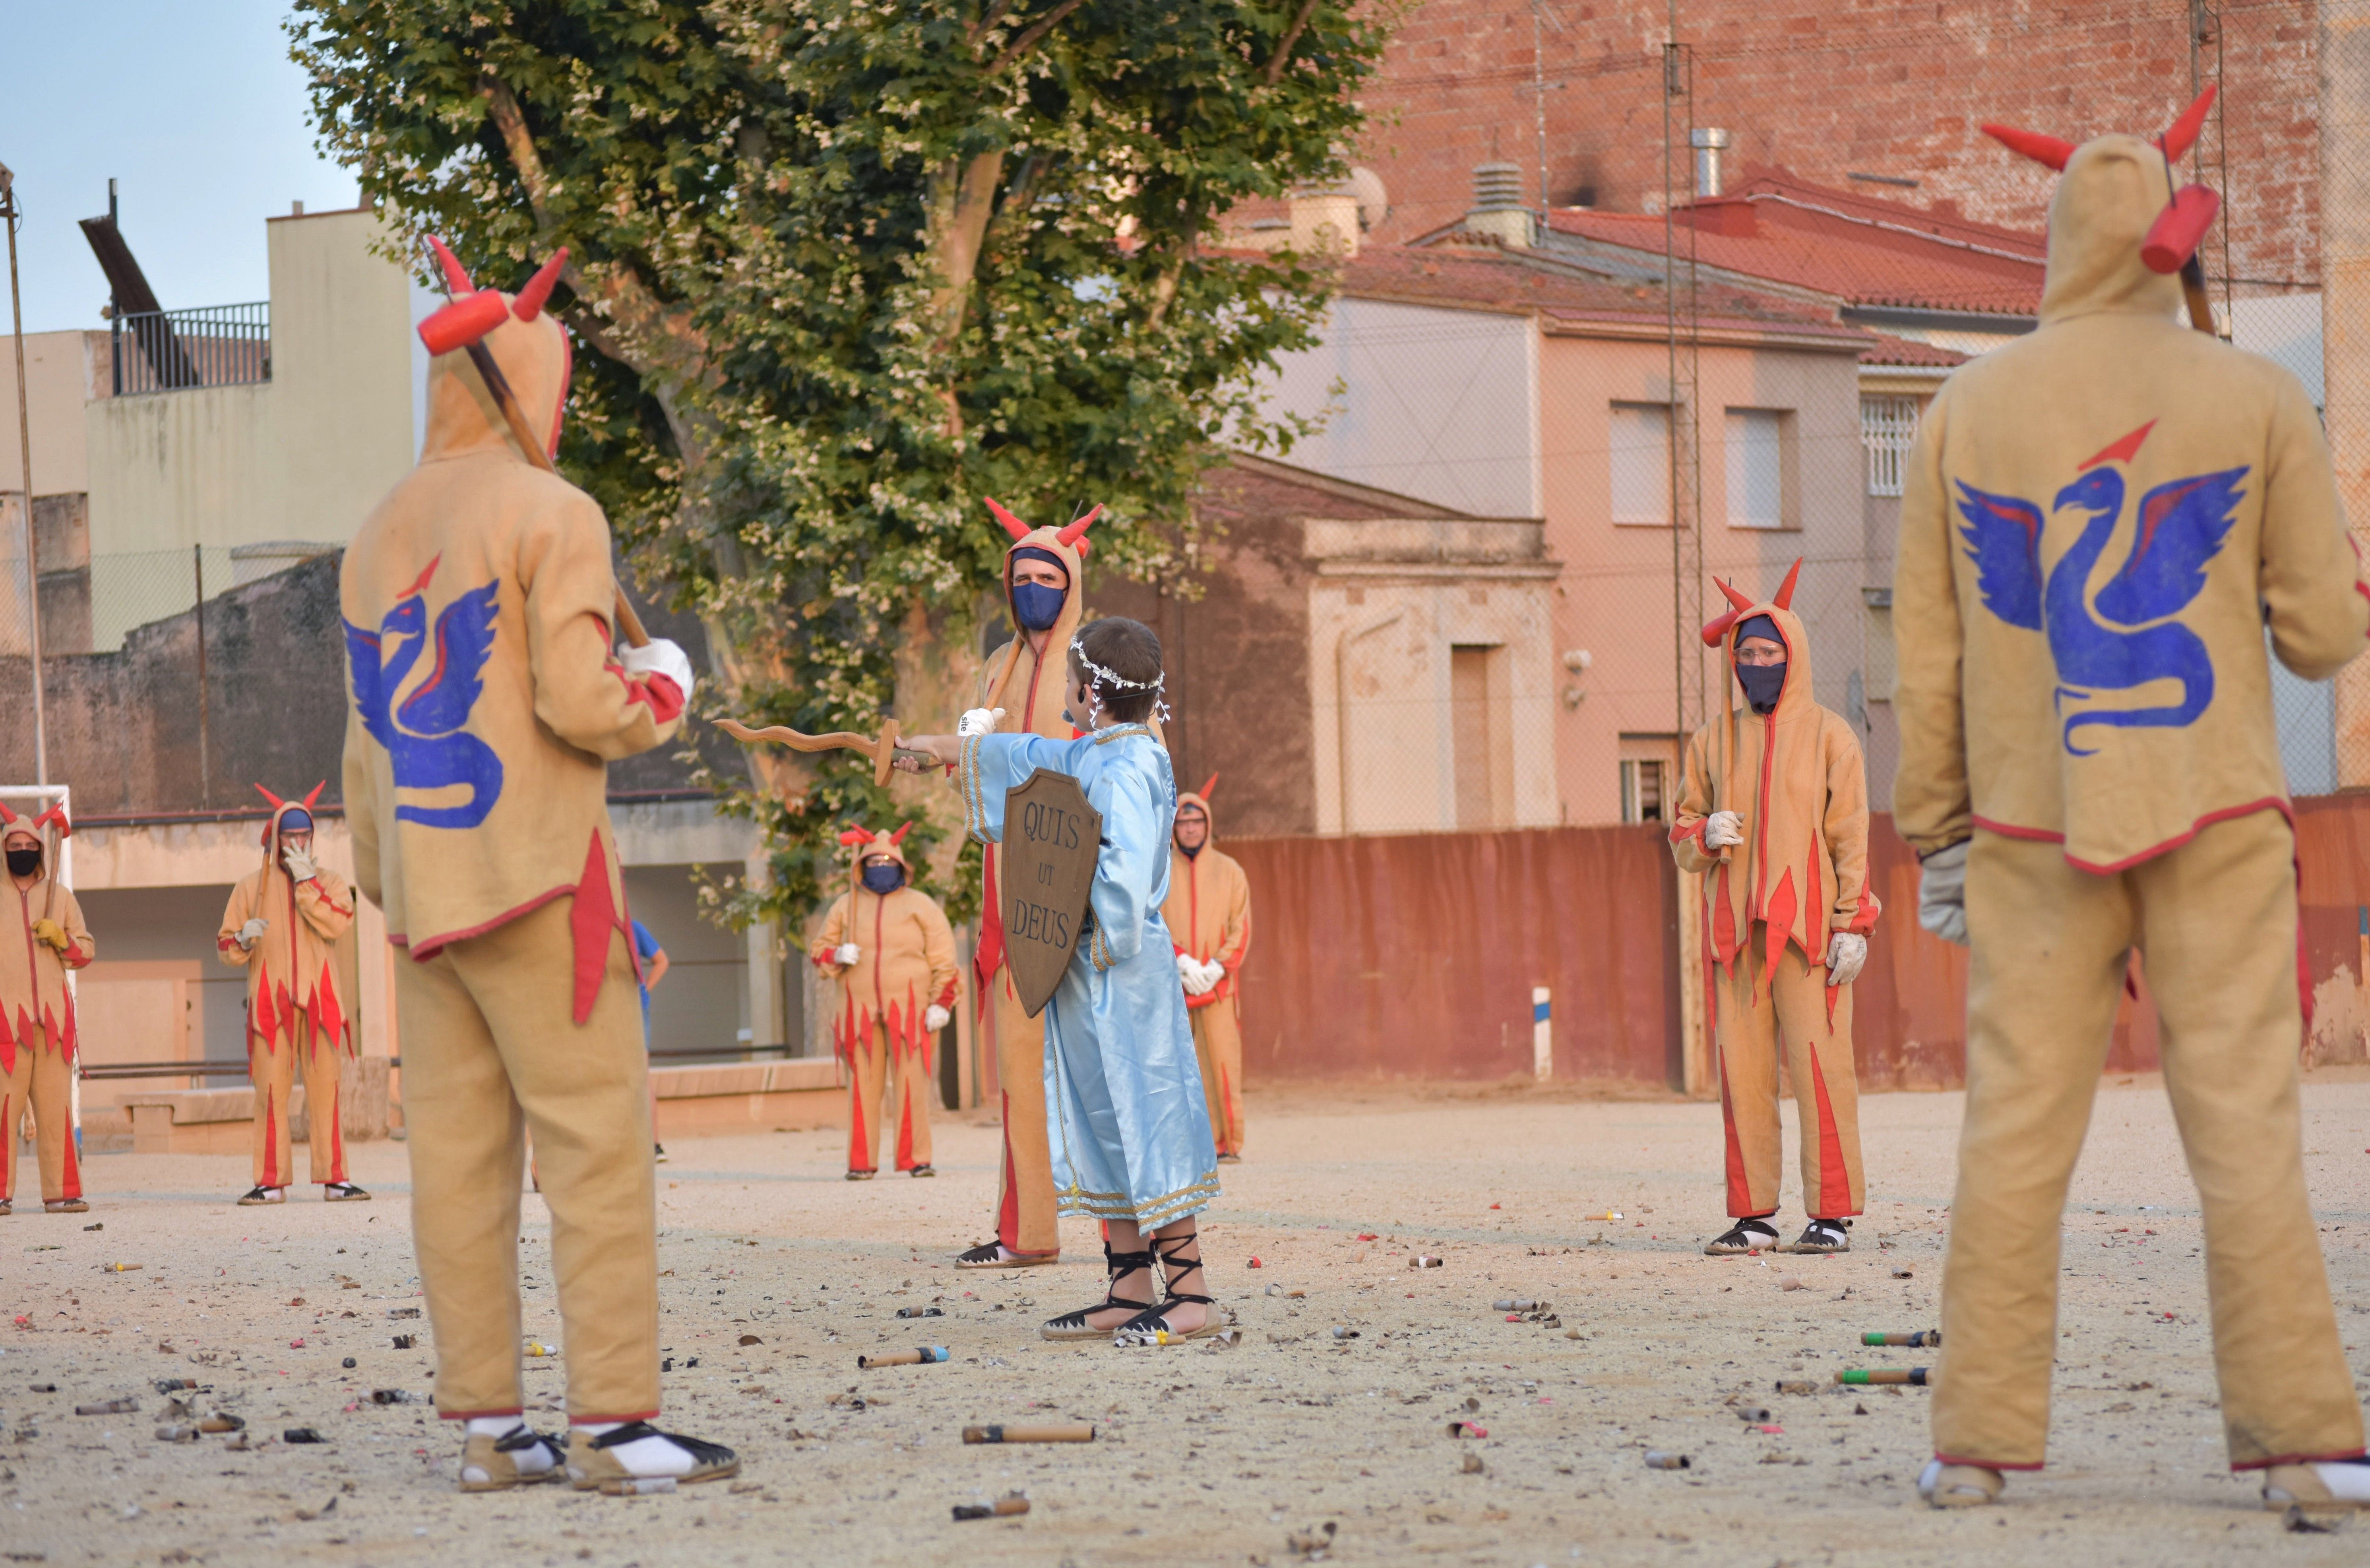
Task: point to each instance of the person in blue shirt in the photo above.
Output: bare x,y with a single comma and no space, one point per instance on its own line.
650,961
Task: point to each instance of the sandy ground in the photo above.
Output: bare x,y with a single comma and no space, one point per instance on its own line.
1205,1456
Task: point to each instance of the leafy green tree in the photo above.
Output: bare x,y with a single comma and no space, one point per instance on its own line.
838,269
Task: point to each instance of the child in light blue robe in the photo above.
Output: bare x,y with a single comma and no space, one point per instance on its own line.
1131,1127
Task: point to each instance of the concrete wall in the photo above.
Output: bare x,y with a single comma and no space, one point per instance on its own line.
62,371
303,455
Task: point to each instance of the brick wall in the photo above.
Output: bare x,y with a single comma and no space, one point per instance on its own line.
1831,88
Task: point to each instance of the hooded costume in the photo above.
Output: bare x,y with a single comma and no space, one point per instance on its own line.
487,704
1209,917
38,1042
1122,1089
2101,521
1771,906
1030,691
905,966
294,1016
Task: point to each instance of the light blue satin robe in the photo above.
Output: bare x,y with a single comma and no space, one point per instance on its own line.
1130,1127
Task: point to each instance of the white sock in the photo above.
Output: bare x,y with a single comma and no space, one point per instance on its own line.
2348,1479
643,1456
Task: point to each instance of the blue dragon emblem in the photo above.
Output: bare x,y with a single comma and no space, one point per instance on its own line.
2122,635
423,734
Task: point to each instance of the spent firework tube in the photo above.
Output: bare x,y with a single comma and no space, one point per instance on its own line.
1918,1340
920,1355
1915,1376
1657,1459
1079,1432
1006,1506
1515,1304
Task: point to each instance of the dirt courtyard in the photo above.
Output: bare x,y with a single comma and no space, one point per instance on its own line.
1204,1456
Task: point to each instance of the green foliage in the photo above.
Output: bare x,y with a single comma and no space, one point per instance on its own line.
842,267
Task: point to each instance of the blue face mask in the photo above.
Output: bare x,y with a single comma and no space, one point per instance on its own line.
1037,606
1761,684
884,878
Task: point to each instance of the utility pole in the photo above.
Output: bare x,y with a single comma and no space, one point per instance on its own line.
12,212
2344,104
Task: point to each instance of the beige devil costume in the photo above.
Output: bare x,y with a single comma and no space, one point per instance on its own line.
1030,689
902,978
487,705
1773,905
1209,919
38,1042
296,1021
2101,521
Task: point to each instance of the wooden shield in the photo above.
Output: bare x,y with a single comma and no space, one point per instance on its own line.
1051,835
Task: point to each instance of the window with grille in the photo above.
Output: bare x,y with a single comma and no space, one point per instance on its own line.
1641,791
1640,452
1888,423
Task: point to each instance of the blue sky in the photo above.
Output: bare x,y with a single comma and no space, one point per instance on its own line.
194,109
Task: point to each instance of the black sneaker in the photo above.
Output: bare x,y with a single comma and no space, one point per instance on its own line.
1825,1236
1744,1236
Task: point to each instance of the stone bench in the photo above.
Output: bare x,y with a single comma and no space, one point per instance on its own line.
220,1121
749,1096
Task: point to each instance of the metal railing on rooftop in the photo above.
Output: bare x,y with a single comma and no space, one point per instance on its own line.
209,346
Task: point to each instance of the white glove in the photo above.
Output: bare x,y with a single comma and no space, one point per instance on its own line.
847,952
1943,894
251,933
1846,953
660,656
299,864
935,1018
978,721
1214,971
1724,830
1196,978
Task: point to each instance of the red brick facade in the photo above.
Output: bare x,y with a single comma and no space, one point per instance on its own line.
1828,88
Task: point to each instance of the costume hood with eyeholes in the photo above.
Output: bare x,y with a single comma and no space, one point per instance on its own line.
2100,522
528,345
50,827
1796,779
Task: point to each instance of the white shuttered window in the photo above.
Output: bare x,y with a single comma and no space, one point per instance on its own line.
1641,450
1756,468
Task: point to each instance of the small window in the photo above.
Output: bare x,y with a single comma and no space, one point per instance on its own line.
1756,468
1888,423
1642,798
1641,450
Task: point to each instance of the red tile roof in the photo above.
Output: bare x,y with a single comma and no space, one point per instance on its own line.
1858,250
1887,349
1471,271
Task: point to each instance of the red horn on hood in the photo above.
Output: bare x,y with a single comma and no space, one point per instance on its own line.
1012,525
1075,534
529,304
56,814
1208,785
456,278
898,836
6,816
2042,149
2178,231
315,793
276,802
1742,601
2181,134
1785,599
